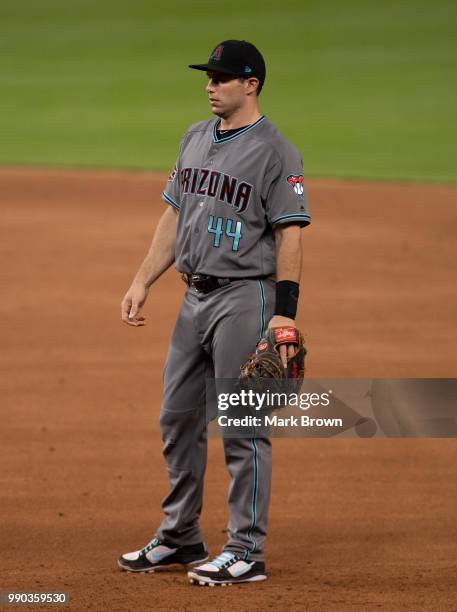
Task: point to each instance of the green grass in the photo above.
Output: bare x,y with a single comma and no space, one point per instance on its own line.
363,88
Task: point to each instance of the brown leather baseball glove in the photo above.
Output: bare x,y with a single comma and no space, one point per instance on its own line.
265,368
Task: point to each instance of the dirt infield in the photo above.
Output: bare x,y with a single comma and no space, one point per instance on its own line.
355,524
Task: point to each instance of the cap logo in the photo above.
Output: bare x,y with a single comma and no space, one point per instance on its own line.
247,69
217,53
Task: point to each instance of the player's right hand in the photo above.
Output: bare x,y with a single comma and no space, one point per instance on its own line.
132,303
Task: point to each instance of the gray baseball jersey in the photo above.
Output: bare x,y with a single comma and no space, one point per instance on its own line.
230,192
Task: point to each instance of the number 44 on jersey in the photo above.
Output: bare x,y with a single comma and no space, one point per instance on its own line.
220,226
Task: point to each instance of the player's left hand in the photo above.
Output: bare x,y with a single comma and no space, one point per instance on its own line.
284,351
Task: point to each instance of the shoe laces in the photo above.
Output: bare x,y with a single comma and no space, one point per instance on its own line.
150,545
225,559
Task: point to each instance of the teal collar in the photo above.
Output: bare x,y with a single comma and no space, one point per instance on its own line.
238,134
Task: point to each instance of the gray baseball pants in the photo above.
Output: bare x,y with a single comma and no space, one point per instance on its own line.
213,335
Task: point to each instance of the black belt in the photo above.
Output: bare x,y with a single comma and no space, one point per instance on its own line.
204,283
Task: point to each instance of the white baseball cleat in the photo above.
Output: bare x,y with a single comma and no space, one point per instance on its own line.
226,569
158,554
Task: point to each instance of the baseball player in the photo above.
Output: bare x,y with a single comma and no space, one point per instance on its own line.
236,206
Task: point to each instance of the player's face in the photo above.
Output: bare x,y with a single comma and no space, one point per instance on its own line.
226,93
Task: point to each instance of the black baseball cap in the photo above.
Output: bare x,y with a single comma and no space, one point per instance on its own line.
237,57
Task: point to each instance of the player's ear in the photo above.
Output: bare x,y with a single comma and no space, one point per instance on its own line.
251,85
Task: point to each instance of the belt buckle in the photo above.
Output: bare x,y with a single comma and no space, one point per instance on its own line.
199,282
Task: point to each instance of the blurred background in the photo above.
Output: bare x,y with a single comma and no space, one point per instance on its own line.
363,88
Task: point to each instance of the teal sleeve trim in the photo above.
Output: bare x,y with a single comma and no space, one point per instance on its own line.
302,218
169,200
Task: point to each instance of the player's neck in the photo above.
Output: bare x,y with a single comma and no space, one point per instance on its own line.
240,118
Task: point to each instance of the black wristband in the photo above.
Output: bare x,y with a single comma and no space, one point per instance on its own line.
287,298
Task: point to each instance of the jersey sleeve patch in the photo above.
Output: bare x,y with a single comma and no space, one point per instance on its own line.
296,181
173,173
